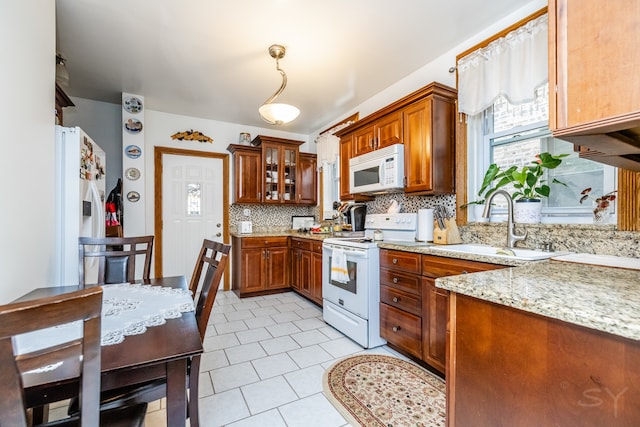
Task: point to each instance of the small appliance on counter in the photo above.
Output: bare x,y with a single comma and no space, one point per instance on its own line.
355,215
245,227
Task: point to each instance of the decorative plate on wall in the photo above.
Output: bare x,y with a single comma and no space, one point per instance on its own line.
133,196
133,151
133,126
132,174
132,104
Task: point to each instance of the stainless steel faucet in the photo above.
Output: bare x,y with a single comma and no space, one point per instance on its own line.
512,237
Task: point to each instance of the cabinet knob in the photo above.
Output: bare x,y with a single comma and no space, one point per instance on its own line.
396,299
395,280
395,261
396,329
218,234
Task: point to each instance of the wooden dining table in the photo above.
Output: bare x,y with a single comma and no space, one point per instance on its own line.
161,352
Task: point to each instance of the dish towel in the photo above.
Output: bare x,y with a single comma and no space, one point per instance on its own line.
339,271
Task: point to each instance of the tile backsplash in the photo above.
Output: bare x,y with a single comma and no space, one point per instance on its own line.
582,238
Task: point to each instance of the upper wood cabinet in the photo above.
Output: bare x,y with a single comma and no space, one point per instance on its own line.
273,171
307,184
429,140
594,83
383,132
247,173
424,121
346,153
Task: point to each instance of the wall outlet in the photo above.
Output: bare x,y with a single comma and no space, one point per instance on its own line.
246,212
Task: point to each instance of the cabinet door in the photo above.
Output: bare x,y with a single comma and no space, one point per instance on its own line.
346,144
307,182
435,313
388,130
295,269
252,270
593,63
273,174
289,185
429,141
316,277
363,141
305,273
247,169
417,146
277,268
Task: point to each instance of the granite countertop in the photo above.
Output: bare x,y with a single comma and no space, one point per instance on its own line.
601,298
427,249
283,233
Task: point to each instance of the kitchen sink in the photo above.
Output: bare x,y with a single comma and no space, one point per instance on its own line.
499,252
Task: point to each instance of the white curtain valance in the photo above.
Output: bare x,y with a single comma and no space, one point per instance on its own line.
328,148
512,66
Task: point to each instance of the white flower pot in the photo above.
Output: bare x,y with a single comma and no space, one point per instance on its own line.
527,211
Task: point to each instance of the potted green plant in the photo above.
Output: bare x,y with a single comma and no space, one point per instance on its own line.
529,186
485,191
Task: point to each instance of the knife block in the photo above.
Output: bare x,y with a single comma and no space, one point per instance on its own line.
449,236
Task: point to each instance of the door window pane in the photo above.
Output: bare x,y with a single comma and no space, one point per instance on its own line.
194,199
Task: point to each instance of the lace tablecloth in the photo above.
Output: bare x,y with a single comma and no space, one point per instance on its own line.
127,309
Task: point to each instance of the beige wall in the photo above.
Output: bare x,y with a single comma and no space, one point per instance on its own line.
27,215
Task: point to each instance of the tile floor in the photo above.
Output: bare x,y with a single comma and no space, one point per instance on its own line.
263,364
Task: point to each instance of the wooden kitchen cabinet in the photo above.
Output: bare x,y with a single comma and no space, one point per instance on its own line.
401,301
346,153
429,143
247,173
307,179
594,84
273,171
413,312
260,265
508,367
385,131
424,121
306,268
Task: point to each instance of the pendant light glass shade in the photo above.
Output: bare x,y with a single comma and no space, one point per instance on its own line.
277,113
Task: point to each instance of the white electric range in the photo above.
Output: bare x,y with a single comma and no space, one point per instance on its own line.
353,306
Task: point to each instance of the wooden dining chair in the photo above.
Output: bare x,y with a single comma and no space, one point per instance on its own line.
78,357
210,266
116,257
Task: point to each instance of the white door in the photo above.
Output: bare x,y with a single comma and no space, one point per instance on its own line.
192,209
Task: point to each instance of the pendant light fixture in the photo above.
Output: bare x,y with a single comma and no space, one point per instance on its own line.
277,113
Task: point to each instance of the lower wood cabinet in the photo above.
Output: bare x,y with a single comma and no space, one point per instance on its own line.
260,265
413,311
513,368
306,268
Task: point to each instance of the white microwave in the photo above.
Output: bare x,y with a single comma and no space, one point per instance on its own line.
378,171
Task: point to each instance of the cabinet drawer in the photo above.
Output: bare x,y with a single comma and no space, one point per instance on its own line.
399,280
262,242
398,260
402,300
317,246
401,329
435,266
303,244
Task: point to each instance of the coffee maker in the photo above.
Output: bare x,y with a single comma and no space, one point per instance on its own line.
355,215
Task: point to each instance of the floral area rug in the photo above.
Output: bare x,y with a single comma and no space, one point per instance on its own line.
375,390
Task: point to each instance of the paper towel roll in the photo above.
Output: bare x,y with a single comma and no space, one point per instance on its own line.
425,225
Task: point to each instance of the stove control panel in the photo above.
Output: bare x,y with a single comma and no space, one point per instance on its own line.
395,221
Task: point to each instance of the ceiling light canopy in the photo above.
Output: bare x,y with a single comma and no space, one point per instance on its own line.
278,113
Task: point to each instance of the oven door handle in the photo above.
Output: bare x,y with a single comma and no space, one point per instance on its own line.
349,252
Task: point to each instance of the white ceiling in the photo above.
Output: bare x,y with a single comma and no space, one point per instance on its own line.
209,59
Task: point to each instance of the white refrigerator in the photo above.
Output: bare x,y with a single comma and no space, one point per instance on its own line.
80,197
